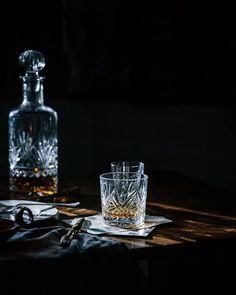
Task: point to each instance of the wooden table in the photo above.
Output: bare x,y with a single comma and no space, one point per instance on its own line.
196,249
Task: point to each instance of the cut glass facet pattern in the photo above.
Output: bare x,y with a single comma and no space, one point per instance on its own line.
124,201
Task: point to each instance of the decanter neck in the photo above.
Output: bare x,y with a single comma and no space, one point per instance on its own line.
32,89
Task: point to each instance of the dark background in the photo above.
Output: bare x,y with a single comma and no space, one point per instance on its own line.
167,50
151,81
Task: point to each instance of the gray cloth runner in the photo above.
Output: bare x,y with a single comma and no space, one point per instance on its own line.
32,261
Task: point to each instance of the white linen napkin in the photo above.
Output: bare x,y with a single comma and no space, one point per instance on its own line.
96,226
39,209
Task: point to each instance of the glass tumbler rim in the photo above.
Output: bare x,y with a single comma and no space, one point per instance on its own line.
110,175
133,163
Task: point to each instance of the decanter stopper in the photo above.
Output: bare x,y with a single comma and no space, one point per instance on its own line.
33,61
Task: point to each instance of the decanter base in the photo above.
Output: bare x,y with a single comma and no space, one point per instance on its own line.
40,186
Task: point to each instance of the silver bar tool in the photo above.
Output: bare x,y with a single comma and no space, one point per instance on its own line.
68,237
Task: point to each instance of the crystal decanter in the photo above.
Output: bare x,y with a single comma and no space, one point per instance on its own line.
33,147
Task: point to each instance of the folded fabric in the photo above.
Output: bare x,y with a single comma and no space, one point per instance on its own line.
32,260
40,210
95,225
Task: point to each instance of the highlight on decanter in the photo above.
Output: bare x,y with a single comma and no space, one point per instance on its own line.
33,142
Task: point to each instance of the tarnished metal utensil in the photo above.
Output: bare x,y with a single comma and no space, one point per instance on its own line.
68,237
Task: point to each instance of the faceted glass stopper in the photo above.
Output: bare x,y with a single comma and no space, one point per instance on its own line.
33,61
